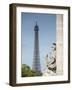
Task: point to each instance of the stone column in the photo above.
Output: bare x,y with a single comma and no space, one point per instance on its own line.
59,44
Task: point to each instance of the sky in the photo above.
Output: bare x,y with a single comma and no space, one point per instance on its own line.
47,36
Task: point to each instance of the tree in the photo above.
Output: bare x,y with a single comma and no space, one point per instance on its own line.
27,72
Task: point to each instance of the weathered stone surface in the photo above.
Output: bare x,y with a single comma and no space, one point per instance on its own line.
59,44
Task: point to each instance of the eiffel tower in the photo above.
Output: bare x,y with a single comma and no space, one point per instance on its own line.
36,58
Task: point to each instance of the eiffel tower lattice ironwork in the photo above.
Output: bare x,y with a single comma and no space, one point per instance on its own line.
36,58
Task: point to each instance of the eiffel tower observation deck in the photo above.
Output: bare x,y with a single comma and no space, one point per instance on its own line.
36,57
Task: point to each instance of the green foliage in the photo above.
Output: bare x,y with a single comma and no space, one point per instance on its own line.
27,72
